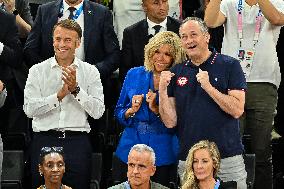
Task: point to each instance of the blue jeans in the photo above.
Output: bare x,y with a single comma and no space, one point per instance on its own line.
257,121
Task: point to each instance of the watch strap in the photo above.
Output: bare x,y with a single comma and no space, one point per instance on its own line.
76,91
15,12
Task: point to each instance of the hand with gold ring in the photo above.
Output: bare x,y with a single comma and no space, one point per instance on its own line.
136,102
135,106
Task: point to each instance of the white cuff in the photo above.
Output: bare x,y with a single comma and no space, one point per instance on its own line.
1,47
53,101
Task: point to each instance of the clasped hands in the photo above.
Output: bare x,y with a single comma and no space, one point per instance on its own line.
137,102
70,83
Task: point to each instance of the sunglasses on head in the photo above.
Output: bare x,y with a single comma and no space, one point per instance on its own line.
53,149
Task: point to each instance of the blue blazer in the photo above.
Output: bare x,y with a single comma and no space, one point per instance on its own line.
145,127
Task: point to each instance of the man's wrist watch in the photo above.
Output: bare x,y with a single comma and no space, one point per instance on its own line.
76,91
15,12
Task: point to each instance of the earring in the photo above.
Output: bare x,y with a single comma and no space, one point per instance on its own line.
40,173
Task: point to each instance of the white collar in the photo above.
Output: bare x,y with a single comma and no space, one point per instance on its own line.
152,24
55,64
66,6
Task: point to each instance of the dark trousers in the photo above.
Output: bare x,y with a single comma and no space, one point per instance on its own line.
77,156
257,121
163,175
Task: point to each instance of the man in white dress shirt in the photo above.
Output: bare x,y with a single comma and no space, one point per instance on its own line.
59,95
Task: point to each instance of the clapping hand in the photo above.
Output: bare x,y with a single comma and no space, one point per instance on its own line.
70,83
69,77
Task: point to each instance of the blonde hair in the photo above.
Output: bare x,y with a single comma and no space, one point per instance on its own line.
167,37
189,180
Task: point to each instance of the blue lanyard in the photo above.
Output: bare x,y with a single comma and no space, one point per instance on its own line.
126,184
77,14
3,6
217,184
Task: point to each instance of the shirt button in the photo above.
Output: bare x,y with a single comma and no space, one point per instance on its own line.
54,105
79,100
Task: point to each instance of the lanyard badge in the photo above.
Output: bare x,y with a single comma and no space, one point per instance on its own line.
245,55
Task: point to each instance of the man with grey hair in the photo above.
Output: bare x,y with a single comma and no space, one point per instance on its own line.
141,166
204,97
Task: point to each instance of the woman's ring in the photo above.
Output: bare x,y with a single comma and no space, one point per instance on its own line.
136,101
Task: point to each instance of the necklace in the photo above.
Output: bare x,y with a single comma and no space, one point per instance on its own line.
44,187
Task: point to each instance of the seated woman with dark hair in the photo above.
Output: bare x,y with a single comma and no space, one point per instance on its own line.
52,167
202,167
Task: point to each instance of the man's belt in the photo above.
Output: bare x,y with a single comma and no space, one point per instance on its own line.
62,134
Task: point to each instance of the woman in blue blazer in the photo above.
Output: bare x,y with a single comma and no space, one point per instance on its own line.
138,109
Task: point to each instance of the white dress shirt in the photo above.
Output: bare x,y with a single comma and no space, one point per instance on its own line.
80,52
151,24
41,103
1,47
3,95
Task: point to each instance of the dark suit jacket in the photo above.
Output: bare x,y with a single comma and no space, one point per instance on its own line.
100,41
10,58
135,37
9,37
24,10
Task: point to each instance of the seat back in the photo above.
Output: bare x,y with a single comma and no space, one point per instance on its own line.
14,141
97,162
12,169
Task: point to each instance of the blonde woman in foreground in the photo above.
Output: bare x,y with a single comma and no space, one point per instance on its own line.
202,167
